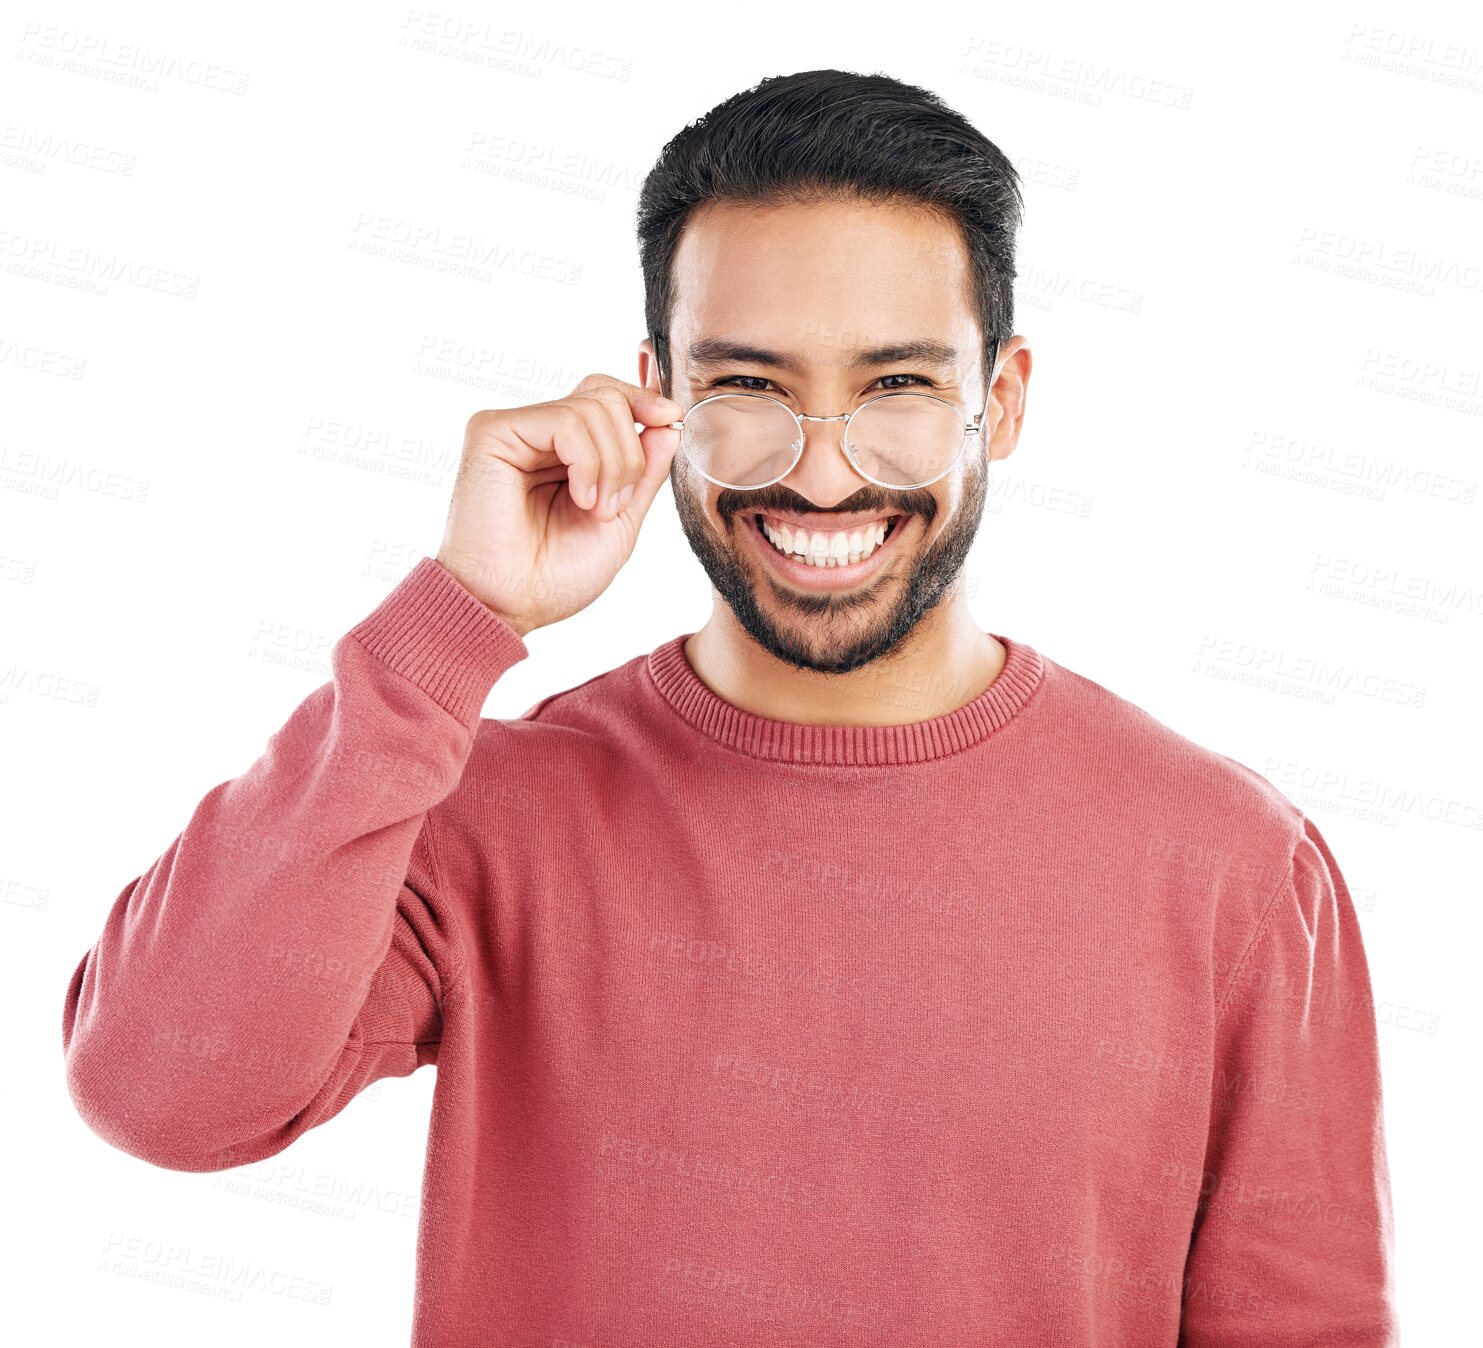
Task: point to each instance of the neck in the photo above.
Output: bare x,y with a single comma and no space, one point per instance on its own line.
946,661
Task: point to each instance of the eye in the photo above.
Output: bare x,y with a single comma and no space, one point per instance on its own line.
741,381
745,381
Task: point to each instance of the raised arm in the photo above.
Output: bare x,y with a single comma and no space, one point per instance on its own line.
294,942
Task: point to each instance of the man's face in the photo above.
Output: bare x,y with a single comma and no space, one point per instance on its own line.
814,284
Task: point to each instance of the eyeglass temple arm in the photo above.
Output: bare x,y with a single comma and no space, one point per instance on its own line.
978,423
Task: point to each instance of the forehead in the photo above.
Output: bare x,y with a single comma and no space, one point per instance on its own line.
822,279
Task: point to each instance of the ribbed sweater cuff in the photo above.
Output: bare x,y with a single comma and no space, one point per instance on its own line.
431,630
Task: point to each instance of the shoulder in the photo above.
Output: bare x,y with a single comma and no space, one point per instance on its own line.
1181,801
1203,836
1166,762
580,715
525,770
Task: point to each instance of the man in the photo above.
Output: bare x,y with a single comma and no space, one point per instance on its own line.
840,973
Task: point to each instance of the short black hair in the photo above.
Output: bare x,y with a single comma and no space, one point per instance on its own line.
829,135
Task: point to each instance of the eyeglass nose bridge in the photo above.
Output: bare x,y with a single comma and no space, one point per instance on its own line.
801,417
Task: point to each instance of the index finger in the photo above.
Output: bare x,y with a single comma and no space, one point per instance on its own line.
648,405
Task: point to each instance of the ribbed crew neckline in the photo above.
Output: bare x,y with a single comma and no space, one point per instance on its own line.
846,745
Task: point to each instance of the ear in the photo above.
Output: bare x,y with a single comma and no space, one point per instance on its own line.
649,367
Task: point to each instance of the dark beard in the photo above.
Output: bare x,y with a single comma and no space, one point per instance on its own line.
932,575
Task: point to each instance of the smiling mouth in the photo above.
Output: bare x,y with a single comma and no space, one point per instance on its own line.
826,549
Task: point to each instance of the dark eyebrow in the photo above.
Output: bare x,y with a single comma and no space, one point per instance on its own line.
720,350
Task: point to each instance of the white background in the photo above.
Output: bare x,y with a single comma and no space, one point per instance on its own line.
1244,498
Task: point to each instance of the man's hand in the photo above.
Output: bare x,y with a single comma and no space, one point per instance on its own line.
549,498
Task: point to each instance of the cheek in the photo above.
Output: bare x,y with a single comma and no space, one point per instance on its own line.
964,484
692,492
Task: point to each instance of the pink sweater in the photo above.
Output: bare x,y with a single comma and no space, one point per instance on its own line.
1031,1024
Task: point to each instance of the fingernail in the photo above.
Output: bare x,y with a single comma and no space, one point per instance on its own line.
612,503
626,495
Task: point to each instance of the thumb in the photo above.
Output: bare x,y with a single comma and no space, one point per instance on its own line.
656,405
660,444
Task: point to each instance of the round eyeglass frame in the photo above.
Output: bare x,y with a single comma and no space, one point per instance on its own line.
972,428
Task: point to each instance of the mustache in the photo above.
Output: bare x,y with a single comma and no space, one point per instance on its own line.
730,503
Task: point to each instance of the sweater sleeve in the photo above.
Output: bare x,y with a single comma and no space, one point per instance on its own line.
294,942
1293,1238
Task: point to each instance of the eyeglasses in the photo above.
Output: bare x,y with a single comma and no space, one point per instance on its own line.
749,440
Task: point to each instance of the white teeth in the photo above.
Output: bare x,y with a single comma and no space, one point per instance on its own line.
821,549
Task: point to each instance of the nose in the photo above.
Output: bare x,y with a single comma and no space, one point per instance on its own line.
824,473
